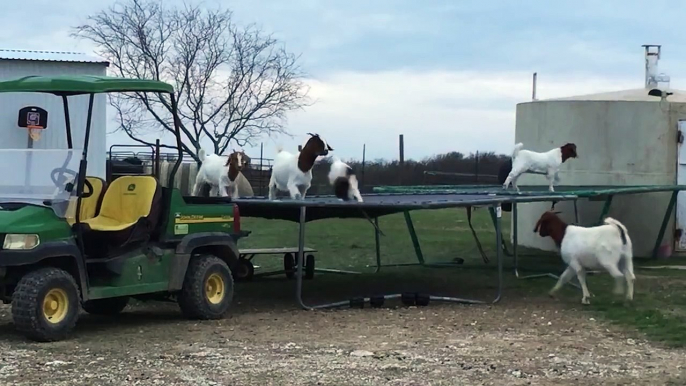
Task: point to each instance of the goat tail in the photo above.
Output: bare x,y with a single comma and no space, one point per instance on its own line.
201,154
623,233
516,150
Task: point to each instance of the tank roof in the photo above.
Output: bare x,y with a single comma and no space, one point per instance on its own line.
632,95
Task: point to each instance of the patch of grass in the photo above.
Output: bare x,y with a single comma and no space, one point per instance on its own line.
658,311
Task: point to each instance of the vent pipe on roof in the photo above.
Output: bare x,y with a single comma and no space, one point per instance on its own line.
652,57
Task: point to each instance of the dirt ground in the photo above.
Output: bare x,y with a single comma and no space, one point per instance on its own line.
520,341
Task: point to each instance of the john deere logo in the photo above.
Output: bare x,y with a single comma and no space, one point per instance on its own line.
131,187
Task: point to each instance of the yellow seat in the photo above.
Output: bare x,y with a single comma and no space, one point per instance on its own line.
126,201
89,205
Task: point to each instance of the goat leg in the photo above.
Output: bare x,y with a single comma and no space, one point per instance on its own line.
566,276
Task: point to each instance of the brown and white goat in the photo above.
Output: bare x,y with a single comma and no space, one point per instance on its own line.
292,173
220,173
547,163
605,246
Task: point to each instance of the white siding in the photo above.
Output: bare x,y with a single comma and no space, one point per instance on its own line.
11,136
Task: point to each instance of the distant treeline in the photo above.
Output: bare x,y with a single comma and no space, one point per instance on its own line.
475,168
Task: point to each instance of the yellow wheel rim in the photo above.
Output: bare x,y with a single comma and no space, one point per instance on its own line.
55,305
214,288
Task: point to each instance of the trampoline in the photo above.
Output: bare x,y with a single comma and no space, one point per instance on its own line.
375,205
562,193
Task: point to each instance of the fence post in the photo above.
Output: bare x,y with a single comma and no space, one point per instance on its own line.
364,153
402,159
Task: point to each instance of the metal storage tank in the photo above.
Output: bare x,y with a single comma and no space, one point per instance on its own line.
19,63
623,138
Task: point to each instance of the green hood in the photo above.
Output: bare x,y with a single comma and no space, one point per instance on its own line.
34,220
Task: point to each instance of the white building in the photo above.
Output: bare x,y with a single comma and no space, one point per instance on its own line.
623,138
19,63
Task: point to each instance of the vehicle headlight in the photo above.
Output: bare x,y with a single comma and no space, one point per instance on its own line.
20,241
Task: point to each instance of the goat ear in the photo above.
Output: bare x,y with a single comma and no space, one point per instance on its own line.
313,135
557,212
538,225
328,146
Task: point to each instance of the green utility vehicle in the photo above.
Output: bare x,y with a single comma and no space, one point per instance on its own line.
69,240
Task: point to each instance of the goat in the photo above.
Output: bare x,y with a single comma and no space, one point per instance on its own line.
548,163
343,179
607,246
292,173
220,173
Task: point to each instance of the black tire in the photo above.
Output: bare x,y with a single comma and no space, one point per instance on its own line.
29,302
289,265
109,306
309,267
244,270
193,299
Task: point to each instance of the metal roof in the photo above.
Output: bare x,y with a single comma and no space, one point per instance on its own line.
632,95
50,56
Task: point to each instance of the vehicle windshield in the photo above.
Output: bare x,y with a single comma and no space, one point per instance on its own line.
38,176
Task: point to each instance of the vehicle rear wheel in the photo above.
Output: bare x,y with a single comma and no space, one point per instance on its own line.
110,306
207,290
45,304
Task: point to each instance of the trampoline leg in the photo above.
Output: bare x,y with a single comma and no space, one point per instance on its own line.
301,260
515,240
503,244
665,220
606,209
415,239
378,245
499,253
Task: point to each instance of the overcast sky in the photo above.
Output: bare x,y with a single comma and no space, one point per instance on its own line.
446,74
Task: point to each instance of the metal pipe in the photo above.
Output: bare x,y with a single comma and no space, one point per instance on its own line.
499,253
378,245
533,91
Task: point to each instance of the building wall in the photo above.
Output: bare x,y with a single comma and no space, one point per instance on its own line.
618,143
13,137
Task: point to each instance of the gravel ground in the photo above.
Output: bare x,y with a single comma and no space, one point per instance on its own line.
517,342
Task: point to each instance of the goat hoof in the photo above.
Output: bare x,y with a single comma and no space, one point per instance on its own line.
585,301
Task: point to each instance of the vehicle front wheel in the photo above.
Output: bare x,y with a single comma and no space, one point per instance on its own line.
45,304
207,290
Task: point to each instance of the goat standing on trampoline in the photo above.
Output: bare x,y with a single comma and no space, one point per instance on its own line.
220,173
548,163
292,173
342,178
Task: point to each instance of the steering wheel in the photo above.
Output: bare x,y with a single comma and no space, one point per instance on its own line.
59,181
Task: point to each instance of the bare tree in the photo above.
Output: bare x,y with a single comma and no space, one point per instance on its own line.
233,84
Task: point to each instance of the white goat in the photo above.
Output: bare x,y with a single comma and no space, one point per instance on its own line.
605,246
220,173
293,172
548,163
343,179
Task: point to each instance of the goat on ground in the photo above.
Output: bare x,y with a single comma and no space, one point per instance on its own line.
292,173
548,163
607,246
343,179
220,173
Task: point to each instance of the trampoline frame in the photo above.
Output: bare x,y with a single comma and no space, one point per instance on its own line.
563,193
491,200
